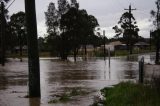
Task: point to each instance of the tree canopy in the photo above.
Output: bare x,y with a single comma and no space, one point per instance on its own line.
17,28
128,29
69,26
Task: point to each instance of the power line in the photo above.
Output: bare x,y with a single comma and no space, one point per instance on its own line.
145,13
11,4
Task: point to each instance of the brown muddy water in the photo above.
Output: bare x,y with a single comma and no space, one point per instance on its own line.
81,79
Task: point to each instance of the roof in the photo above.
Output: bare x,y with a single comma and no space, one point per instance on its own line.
115,43
89,46
141,44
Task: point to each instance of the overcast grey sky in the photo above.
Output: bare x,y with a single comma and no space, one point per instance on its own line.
107,13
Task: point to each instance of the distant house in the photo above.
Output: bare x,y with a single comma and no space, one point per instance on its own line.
90,48
141,45
109,47
117,45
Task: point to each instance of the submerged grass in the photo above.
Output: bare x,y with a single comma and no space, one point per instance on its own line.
65,97
129,94
69,95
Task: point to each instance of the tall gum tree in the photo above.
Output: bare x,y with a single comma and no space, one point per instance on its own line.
156,34
128,30
17,26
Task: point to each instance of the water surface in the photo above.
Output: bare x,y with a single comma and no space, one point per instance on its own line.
59,77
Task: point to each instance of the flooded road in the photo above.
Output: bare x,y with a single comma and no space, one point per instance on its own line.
85,78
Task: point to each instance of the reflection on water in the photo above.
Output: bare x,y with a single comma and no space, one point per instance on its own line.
58,77
34,102
3,79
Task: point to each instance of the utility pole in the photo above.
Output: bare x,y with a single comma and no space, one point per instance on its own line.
150,40
20,45
2,20
33,55
130,28
104,44
157,34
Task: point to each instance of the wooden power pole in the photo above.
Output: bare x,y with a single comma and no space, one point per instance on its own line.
104,44
33,55
150,41
2,20
130,28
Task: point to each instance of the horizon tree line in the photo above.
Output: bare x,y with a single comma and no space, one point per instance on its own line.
67,34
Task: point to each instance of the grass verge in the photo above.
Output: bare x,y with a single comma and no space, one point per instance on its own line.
129,94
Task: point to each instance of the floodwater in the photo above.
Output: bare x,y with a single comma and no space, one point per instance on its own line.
60,77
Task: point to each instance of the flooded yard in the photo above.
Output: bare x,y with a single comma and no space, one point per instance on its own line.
85,78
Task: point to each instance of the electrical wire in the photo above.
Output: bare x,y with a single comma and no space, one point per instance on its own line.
145,13
11,4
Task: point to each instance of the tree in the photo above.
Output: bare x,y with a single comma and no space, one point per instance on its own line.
52,22
69,26
6,1
55,38
74,4
5,10
75,28
33,56
63,7
156,33
17,25
129,30
91,24
80,27
52,19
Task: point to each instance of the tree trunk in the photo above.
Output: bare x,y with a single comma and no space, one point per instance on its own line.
85,52
75,55
63,55
131,49
157,53
20,47
33,56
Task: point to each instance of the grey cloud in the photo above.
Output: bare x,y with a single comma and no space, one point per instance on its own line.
107,12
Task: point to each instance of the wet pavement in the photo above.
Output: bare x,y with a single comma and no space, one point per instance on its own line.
61,77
